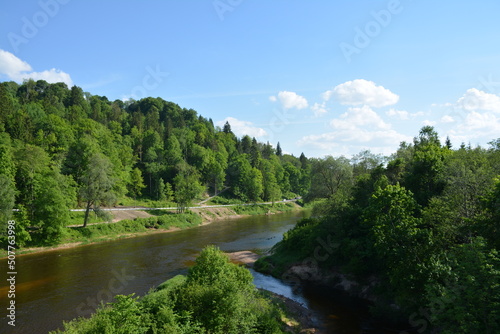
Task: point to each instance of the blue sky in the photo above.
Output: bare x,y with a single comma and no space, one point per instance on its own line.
322,77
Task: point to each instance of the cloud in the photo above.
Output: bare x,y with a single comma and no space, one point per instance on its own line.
290,100
319,109
358,129
361,92
403,114
474,100
241,128
18,70
357,117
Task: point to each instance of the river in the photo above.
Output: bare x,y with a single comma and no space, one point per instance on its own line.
63,284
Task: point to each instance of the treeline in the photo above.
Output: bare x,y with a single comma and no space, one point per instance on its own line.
62,148
422,228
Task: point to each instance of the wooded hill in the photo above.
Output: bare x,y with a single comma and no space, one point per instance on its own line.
62,148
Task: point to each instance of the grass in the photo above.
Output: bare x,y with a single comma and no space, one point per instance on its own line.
164,221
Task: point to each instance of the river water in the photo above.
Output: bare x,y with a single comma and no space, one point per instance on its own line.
63,284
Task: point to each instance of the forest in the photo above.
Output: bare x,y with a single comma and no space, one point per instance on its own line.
421,229
62,148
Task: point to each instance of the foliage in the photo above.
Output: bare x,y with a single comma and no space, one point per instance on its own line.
94,152
422,228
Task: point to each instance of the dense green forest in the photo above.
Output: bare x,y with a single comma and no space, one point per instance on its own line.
62,148
421,228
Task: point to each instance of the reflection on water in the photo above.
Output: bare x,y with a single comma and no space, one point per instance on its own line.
67,283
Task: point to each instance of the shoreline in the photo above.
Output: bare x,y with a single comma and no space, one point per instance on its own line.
218,215
300,315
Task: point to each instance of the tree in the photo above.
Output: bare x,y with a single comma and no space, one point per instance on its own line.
467,299
425,176
52,206
398,241
271,189
96,184
279,152
187,186
331,178
136,183
7,201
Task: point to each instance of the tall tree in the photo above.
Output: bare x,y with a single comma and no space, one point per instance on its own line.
96,184
187,186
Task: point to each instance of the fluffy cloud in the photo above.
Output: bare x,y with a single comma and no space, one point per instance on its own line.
290,100
241,128
474,100
358,129
361,92
359,117
18,70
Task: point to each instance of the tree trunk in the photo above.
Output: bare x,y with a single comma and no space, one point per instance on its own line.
87,210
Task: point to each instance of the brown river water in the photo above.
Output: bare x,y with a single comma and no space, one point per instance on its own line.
60,285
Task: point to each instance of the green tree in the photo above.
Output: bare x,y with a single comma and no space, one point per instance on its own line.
425,176
398,241
96,184
467,299
136,183
187,186
331,178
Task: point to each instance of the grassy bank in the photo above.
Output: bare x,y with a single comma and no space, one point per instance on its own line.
159,221
162,221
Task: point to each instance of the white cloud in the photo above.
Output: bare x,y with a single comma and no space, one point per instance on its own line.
474,100
351,142
241,128
290,100
401,114
358,129
356,117
362,92
319,109
18,70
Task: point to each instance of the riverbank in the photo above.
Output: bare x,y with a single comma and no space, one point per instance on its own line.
297,317
159,221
